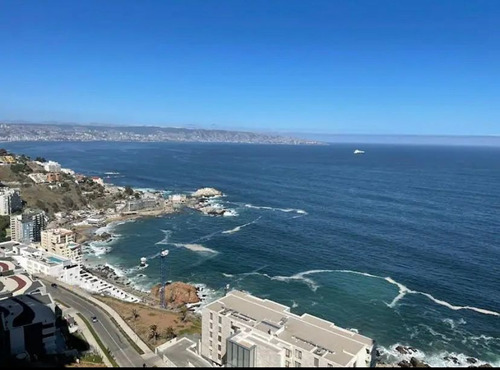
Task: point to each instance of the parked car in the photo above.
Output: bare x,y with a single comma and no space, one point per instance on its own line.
53,285
94,319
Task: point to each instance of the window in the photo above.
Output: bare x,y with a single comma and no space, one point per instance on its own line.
287,363
297,364
211,315
220,338
219,347
220,319
210,344
288,353
316,362
219,356
211,326
220,329
298,354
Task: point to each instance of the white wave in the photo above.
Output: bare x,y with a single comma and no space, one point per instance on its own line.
454,324
403,290
441,359
456,308
195,247
227,275
435,333
134,269
167,235
206,295
118,271
238,228
109,228
294,304
148,190
230,213
301,277
111,173
98,249
299,211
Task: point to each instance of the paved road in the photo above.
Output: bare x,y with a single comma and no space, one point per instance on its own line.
124,354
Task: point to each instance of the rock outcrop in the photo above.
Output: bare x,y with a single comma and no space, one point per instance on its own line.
177,294
207,193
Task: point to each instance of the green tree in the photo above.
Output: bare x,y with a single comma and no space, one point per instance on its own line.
184,313
40,159
68,202
153,332
4,224
170,333
129,190
20,168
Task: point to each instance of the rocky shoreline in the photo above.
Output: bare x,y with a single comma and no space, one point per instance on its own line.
411,357
177,294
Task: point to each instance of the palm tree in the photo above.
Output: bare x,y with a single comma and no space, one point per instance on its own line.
154,332
135,315
184,313
169,333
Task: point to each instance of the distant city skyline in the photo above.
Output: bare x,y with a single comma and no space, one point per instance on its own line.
322,68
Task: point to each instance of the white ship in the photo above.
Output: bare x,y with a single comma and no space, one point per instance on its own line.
357,151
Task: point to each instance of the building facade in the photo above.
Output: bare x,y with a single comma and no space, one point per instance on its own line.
240,330
61,242
28,227
52,166
10,201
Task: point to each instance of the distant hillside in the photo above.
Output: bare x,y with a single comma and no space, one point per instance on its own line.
72,132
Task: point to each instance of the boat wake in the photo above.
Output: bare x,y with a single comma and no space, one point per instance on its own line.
238,228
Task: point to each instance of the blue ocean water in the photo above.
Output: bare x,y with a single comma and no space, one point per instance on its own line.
401,243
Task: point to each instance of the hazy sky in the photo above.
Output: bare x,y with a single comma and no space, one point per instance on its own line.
371,67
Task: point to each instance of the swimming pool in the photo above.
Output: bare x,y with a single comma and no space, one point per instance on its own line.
55,260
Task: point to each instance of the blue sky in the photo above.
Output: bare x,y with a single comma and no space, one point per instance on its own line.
351,67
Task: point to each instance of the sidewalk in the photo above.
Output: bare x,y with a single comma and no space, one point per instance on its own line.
83,328
126,328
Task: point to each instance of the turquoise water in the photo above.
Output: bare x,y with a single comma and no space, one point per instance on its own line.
55,260
400,243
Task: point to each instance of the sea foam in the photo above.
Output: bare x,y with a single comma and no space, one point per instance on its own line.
403,290
287,210
440,359
194,247
238,228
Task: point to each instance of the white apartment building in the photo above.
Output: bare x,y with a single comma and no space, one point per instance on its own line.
10,201
52,166
240,330
61,242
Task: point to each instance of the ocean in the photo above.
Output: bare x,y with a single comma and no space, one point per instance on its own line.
401,243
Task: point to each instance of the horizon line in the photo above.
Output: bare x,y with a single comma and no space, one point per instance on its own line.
275,132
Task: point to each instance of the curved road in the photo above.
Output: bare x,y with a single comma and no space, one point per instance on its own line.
124,354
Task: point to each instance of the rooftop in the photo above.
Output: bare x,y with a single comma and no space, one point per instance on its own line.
26,309
308,332
179,352
60,231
